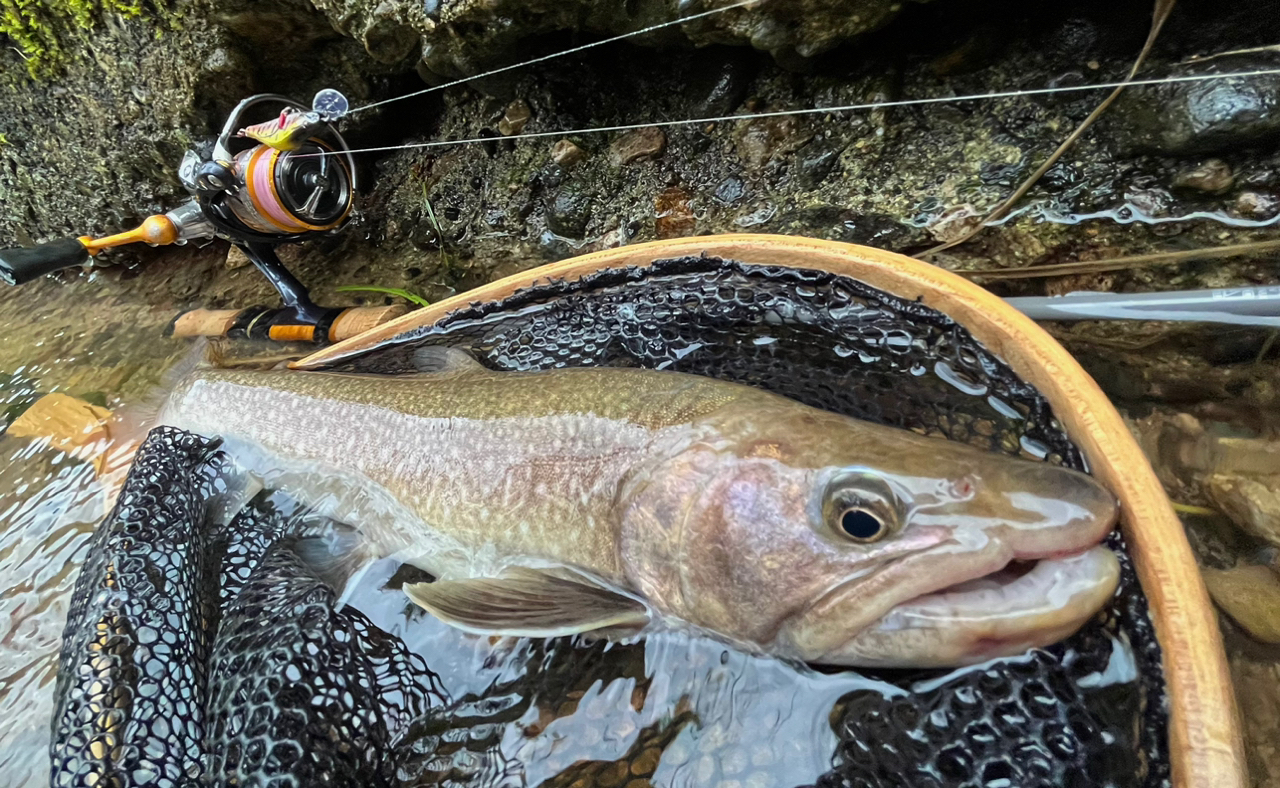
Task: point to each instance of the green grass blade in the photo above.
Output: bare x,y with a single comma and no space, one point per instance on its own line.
393,291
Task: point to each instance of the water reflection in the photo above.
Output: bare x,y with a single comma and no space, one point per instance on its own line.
673,710
48,506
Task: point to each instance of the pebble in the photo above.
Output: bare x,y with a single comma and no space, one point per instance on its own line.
636,145
1256,205
566,154
955,223
815,162
515,118
718,80
236,258
1252,503
646,763
386,39
1213,176
1251,596
613,775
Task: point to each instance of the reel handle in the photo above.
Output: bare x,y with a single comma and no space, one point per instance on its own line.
19,266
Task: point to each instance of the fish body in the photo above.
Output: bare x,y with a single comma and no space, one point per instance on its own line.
602,499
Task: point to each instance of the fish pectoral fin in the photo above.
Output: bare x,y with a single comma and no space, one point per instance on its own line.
438,360
528,603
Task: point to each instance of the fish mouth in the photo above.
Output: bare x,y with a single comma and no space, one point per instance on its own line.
1025,604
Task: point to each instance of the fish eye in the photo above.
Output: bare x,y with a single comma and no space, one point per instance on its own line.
861,525
860,507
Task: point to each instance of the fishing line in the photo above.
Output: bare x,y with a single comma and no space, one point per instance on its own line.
544,58
817,110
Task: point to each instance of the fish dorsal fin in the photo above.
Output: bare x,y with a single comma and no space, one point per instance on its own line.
528,603
441,360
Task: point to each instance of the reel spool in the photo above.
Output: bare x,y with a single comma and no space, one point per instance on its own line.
291,192
292,178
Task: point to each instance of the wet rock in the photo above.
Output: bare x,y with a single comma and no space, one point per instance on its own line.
874,229
1251,596
673,214
568,210
515,118
384,27
566,154
1256,205
730,191
719,80
636,145
1251,503
1213,176
1211,116
815,162
759,141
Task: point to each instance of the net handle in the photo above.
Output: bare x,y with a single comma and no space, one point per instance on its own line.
1205,745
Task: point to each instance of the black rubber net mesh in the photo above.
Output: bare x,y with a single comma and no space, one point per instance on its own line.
267,683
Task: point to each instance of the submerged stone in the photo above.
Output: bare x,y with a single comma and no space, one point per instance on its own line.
1253,504
1251,596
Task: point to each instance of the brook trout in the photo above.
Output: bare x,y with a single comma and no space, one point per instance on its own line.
605,500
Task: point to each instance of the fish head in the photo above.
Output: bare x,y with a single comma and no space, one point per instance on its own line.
841,542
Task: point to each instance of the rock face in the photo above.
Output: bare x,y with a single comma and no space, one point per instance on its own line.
464,37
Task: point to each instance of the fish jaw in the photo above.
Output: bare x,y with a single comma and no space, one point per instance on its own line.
999,615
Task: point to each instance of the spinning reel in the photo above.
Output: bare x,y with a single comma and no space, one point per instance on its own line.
281,181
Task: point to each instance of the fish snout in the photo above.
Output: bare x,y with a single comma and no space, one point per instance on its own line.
1048,510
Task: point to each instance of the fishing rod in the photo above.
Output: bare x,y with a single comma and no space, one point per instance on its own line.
1245,306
